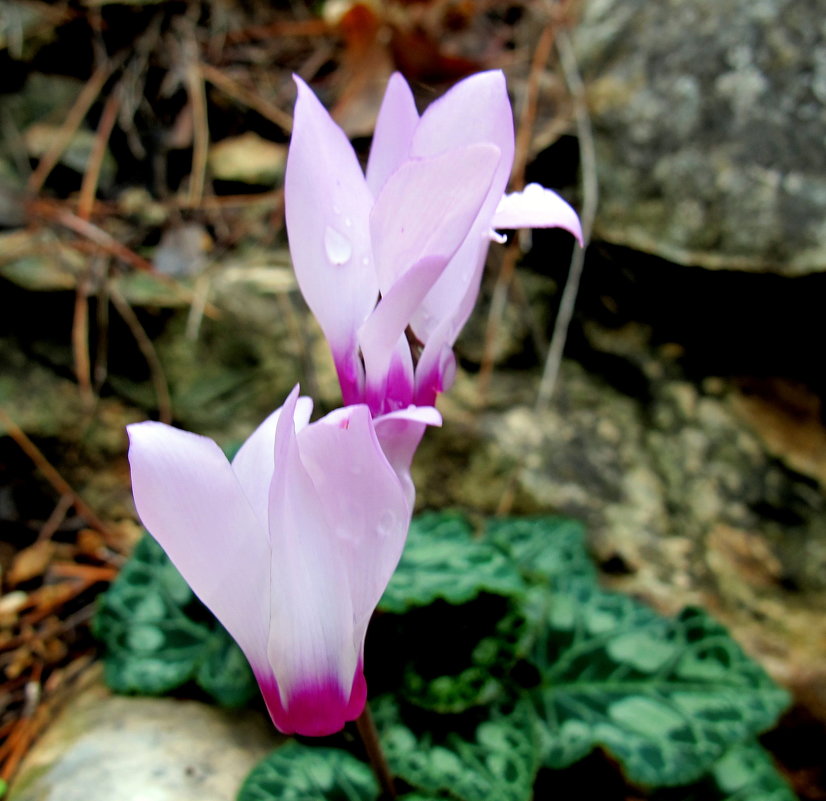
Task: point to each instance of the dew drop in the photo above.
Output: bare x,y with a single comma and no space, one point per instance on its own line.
387,523
348,222
338,247
344,533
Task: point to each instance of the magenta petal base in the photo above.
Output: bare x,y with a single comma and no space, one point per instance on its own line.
315,710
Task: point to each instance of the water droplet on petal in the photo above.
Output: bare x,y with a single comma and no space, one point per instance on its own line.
338,247
344,533
387,523
336,209
348,222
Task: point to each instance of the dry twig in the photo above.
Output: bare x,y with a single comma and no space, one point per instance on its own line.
590,198
74,118
541,56
239,93
88,189
149,353
51,474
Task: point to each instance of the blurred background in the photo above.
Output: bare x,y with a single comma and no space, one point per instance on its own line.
144,273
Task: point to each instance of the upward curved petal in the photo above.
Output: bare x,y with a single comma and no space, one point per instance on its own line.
427,207
379,336
311,648
327,204
536,207
436,369
400,433
476,109
191,502
254,463
364,502
393,136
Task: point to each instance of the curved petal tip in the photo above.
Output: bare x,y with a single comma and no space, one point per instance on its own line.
537,207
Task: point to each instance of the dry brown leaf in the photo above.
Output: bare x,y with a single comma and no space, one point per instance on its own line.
30,562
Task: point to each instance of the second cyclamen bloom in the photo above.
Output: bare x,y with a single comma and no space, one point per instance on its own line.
390,262
291,545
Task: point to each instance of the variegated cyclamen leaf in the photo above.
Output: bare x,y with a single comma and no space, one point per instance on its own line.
443,560
152,644
483,641
224,672
546,549
300,773
158,636
498,760
668,697
747,773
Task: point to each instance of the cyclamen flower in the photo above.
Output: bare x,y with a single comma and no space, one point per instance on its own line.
291,545
401,250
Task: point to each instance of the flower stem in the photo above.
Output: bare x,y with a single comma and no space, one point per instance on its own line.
370,737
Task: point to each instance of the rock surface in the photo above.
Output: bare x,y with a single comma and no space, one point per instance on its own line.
105,747
710,119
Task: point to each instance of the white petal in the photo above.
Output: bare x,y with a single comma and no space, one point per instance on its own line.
366,507
191,502
395,126
255,461
536,207
427,207
327,204
311,630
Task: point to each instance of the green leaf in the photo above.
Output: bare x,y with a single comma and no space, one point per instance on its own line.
443,560
158,636
747,773
461,656
420,797
666,696
299,773
744,773
495,759
152,645
224,672
544,548
456,626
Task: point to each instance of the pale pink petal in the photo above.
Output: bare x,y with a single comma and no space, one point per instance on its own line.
393,135
366,507
189,499
536,207
399,434
311,646
427,206
254,463
436,369
342,519
398,390
380,335
476,109
327,204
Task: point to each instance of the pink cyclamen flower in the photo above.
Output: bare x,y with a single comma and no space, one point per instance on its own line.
402,249
291,545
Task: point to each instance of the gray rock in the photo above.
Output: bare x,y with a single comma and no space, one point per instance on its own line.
710,122
103,747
